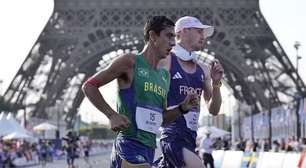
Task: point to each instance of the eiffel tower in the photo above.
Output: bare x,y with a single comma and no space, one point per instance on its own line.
80,35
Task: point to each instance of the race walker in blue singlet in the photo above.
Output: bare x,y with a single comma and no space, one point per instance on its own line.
178,138
182,132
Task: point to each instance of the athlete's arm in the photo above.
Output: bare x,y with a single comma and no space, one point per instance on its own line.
171,114
207,83
212,94
121,69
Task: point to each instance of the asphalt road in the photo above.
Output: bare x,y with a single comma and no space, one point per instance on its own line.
98,161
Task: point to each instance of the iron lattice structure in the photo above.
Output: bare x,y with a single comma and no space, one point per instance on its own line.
80,34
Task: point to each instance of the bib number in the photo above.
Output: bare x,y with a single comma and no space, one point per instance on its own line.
192,118
148,119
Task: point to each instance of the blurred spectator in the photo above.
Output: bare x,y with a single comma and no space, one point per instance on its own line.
275,146
207,148
70,148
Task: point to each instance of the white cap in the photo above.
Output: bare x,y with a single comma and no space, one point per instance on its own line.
190,22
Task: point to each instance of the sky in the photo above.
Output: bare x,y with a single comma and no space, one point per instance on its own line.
22,22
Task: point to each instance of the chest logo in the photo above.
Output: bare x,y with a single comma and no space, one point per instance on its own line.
143,72
177,75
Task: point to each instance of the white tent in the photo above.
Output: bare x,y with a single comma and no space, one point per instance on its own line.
44,127
17,135
5,126
8,124
214,132
17,126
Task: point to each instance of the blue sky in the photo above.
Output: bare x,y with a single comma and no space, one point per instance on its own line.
22,22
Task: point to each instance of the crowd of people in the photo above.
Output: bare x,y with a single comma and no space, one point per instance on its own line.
20,152
206,146
290,144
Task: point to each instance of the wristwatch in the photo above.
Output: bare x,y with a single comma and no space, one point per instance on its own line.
182,110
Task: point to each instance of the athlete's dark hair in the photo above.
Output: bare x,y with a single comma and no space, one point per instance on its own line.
156,24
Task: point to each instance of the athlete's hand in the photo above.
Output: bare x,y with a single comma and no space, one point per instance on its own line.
118,122
216,71
192,100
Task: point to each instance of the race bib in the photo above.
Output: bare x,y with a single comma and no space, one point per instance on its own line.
148,119
192,118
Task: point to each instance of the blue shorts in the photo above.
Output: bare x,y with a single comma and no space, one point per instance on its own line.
172,150
131,151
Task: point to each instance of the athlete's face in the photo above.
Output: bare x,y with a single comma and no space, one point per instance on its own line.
165,41
196,38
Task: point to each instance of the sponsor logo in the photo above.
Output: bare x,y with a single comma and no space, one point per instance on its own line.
143,72
140,158
177,75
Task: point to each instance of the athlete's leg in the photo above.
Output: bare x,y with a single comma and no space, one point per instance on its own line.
191,159
172,153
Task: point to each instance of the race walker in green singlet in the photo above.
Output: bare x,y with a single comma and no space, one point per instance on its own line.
143,103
